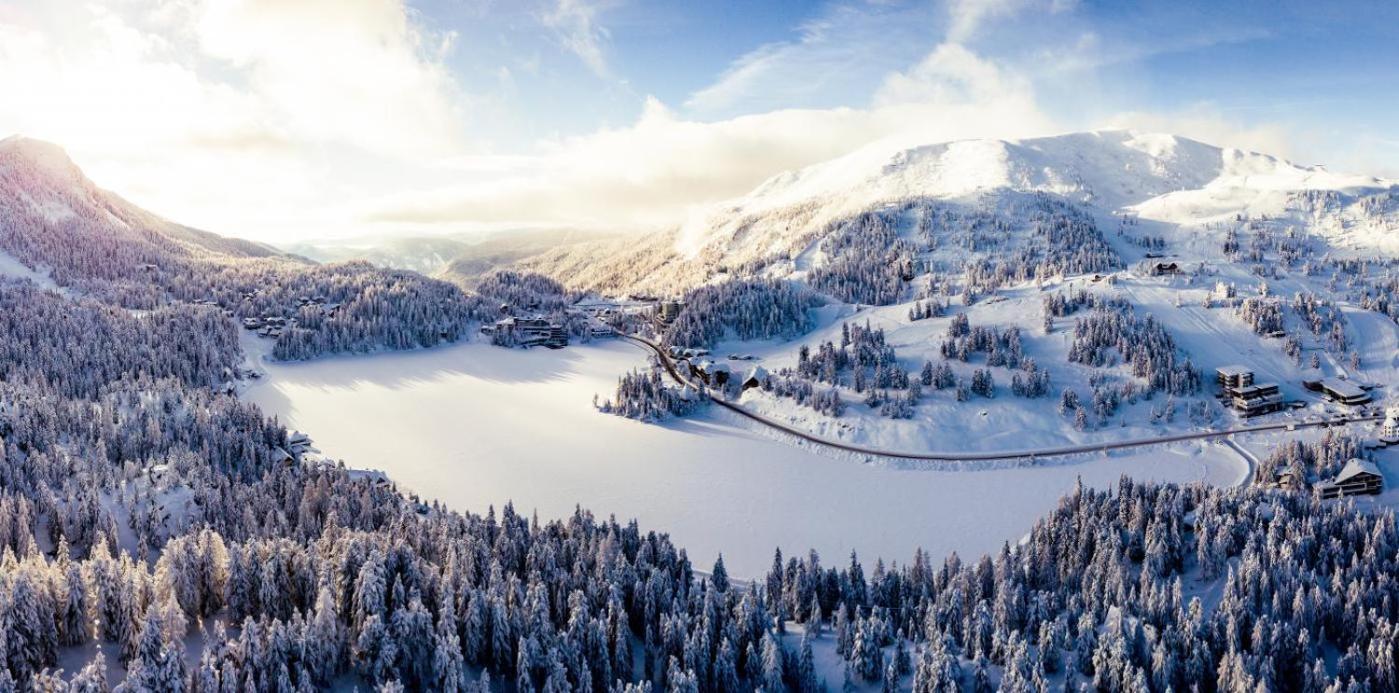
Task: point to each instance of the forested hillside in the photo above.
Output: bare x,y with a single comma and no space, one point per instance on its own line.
141,506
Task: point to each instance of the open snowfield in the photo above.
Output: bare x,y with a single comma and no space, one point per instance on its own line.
474,425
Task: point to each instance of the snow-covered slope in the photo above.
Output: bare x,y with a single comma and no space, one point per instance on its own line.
1163,178
1179,179
41,188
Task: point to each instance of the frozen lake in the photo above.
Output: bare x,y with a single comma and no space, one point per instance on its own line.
474,425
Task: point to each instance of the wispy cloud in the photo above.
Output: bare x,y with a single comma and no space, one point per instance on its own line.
576,25
835,56
659,170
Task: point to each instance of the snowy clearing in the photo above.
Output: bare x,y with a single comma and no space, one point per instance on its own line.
474,425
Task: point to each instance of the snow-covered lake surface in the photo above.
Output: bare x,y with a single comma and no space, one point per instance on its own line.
474,425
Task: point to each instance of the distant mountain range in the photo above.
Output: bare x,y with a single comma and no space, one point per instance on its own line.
463,257
1162,180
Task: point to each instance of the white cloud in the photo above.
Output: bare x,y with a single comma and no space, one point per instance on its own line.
967,17
835,56
953,75
575,23
226,114
352,71
656,171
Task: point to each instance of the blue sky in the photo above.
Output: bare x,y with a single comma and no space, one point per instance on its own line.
1326,66
284,120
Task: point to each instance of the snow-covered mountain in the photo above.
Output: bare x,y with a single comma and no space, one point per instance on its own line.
1157,178
41,188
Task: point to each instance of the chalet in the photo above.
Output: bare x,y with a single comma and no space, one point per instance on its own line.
1389,430
298,443
719,374
1252,400
1287,480
1233,377
1160,269
1344,391
1358,477
282,457
711,373
757,377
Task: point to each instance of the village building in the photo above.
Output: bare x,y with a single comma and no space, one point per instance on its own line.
298,443
1160,269
711,373
1358,477
1252,400
757,377
1287,480
527,332
668,311
1233,377
1389,430
1344,391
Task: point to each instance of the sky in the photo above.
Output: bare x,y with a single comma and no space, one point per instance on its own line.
287,120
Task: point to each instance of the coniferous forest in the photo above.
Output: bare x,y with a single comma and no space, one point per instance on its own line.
144,507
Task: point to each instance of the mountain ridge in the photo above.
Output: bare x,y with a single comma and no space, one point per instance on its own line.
1180,183
53,189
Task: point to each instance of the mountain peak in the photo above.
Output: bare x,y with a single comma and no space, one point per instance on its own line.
39,155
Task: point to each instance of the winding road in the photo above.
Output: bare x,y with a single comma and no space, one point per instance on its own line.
669,366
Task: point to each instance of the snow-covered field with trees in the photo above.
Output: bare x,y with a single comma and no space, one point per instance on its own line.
474,425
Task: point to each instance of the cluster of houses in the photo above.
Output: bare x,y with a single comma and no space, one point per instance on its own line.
1251,399
273,326
268,325
719,375
298,445
1245,396
527,332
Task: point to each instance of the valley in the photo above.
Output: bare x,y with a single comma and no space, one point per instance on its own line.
1050,391
474,426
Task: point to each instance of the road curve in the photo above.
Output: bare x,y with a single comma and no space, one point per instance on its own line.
669,366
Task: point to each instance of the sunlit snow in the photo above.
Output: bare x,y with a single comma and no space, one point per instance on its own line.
474,425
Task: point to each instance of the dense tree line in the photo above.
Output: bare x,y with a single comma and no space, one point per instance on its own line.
75,347
300,575
1142,343
99,246
1262,314
741,309
645,395
866,259
1098,597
